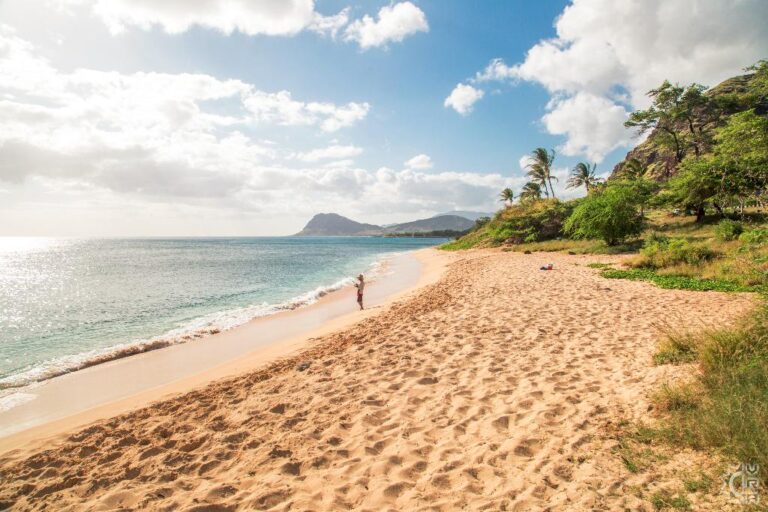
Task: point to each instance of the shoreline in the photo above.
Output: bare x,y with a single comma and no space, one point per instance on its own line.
201,327
495,387
52,411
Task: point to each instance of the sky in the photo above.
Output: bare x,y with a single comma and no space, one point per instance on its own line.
247,117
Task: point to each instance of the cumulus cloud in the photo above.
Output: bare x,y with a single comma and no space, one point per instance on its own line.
267,17
593,125
102,125
463,98
395,22
333,152
607,55
108,143
419,162
282,109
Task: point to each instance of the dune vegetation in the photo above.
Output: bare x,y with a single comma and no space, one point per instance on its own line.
689,207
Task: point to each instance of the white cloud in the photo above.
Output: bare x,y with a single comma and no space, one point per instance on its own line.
496,70
282,109
463,98
394,23
608,55
333,152
419,162
524,161
593,125
268,17
88,152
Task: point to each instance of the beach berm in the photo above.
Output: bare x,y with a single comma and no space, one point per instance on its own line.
491,389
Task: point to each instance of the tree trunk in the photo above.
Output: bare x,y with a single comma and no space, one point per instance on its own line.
553,188
700,212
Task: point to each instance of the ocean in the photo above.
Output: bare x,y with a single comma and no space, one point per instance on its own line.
69,303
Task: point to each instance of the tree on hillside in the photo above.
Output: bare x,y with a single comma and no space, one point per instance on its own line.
683,117
531,192
734,174
540,168
632,169
583,175
507,195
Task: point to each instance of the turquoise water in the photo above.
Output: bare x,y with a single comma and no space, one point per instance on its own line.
67,303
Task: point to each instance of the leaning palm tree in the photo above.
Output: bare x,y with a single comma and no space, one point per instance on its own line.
507,195
583,175
540,168
531,191
538,176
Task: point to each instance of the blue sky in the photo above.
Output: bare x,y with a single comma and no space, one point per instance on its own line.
120,117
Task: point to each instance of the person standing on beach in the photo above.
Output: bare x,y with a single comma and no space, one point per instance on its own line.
360,285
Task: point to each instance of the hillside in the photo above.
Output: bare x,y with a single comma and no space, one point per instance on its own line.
473,216
441,223
332,224
655,156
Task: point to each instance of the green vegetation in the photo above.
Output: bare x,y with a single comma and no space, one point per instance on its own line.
727,230
611,214
660,251
666,499
726,406
678,282
676,348
540,170
583,175
524,222
688,202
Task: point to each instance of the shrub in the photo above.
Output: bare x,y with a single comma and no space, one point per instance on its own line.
530,222
727,230
611,215
754,236
660,252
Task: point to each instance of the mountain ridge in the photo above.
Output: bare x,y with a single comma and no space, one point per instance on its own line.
333,224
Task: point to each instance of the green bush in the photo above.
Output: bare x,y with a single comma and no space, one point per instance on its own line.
728,229
754,236
611,215
660,252
532,221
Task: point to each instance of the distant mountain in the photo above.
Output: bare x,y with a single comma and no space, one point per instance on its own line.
441,223
332,224
473,216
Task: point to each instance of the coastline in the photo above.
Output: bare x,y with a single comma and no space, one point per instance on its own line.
122,384
495,387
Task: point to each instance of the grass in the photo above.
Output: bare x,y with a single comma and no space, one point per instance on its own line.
599,265
677,282
725,407
665,499
677,348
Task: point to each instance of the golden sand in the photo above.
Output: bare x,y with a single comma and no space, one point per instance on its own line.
488,390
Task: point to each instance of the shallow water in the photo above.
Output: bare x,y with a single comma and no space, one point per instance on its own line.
67,303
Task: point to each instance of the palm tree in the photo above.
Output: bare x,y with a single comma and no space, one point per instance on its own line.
531,191
507,195
584,175
540,168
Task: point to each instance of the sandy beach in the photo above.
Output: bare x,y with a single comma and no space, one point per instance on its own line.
490,387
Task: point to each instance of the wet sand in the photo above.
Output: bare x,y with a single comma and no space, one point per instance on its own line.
490,389
117,386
